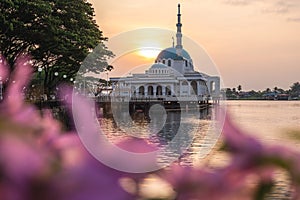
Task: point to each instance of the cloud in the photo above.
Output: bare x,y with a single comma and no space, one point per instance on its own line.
287,7
293,19
276,10
277,7
240,2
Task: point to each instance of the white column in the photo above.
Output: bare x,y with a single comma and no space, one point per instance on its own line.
154,90
137,90
189,88
146,90
172,90
163,90
180,85
198,88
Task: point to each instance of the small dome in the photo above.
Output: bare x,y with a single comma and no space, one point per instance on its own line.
158,66
171,53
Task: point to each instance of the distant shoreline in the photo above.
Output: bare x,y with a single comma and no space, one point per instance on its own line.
262,99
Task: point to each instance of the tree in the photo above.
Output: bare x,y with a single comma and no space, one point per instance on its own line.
239,88
91,84
295,90
268,90
59,34
234,90
275,89
230,94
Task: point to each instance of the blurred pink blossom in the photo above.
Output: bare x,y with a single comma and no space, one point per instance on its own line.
39,161
13,105
250,159
82,177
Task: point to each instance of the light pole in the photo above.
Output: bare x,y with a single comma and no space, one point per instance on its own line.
41,88
56,75
106,80
40,82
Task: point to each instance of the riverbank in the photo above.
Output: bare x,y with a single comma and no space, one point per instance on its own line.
260,99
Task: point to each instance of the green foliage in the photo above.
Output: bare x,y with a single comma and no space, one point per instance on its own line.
237,93
230,94
295,90
59,34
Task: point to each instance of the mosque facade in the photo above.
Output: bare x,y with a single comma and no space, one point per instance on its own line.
171,76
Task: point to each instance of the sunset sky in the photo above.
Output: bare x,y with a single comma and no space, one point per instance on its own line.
255,43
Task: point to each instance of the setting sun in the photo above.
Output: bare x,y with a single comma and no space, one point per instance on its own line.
149,53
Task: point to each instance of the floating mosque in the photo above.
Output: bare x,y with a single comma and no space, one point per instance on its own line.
170,78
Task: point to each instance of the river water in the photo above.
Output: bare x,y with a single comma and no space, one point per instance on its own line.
272,122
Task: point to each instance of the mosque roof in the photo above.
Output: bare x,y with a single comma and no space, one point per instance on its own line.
158,66
170,53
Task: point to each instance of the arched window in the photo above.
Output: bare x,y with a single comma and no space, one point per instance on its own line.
164,62
169,62
141,90
194,88
168,90
150,90
186,63
159,90
212,86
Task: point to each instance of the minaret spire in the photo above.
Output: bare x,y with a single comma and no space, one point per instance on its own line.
179,34
173,43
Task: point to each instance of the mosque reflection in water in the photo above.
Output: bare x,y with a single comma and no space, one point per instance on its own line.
185,132
157,125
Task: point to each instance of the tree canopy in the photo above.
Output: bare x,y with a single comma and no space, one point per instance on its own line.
295,90
58,34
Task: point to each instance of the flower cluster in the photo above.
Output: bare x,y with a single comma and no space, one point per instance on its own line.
40,161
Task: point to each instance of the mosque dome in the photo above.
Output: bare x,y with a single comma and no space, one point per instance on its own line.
170,53
158,66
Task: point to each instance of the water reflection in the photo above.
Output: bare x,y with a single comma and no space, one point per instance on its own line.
180,134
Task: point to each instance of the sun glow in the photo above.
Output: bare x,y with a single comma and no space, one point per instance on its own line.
149,53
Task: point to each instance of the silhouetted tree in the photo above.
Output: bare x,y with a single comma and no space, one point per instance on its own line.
295,90
59,34
239,88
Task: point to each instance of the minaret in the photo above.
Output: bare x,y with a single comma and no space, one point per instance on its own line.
179,34
173,43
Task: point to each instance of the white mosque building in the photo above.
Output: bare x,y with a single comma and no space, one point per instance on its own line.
172,76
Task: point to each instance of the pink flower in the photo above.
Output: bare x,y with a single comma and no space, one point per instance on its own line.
192,183
13,105
142,158
39,161
82,177
23,164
